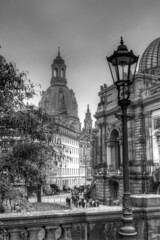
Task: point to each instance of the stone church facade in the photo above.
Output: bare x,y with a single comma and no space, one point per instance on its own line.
143,133
60,104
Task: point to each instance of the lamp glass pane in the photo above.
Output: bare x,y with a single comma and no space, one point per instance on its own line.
113,71
132,71
123,72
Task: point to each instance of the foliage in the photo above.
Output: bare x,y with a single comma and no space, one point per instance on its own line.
12,198
30,161
14,87
26,133
22,133
30,156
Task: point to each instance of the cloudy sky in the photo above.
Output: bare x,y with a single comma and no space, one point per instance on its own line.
86,30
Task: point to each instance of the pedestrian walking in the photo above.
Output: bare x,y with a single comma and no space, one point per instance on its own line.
69,202
83,203
97,203
72,197
80,203
93,203
87,203
90,202
76,202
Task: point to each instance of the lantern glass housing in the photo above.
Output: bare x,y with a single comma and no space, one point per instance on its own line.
122,65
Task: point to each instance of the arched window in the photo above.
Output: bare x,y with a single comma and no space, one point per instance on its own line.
62,73
55,72
115,151
114,187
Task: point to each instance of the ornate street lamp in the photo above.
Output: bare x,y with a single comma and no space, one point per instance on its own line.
122,64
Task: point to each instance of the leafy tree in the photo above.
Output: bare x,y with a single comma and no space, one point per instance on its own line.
26,133
31,157
15,88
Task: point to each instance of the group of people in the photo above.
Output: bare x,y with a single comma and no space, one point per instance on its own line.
79,200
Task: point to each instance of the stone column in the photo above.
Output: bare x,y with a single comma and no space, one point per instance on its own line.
106,155
33,232
100,142
121,152
67,232
137,179
86,226
158,143
103,143
99,153
148,144
140,154
14,234
50,232
148,132
100,146
109,149
4,234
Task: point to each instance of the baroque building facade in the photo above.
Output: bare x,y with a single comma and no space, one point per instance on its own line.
59,102
143,133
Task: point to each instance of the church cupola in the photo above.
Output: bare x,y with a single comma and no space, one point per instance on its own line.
58,100
58,70
88,122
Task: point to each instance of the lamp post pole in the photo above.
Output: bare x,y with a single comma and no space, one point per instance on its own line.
124,107
127,229
122,64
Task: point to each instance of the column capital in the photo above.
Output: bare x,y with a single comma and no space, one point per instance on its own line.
147,113
109,143
158,140
101,124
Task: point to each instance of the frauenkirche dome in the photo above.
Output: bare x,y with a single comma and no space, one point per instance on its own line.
58,100
150,60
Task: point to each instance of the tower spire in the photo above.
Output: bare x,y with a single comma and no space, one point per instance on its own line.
121,41
88,122
59,51
87,107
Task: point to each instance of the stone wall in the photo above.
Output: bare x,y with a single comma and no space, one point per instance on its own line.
99,223
76,224
103,190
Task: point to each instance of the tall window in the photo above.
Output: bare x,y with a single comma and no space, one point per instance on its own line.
115,151
62,73
55,72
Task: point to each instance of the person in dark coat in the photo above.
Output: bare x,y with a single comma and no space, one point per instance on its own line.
83,203
69,202
80,203
97,203
90,202
93,203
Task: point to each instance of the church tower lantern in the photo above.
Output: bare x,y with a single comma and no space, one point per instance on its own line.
59,100
58,70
